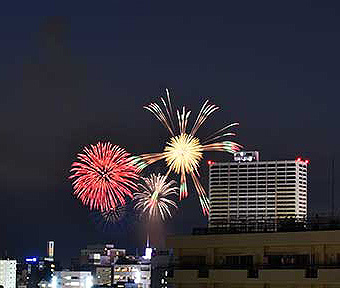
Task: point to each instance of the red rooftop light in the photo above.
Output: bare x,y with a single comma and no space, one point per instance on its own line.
298,159
210,162
307,161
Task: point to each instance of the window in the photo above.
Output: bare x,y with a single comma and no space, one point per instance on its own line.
192,260
244,260
287,260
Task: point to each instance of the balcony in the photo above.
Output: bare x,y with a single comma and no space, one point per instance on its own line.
224,275
282,275
254,274
199,275
329,273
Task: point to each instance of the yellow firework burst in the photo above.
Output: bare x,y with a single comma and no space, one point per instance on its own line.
183,152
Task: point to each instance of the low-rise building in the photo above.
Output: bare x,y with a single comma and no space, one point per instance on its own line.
102,276
132,270
74,279
38,269
99,254
282,259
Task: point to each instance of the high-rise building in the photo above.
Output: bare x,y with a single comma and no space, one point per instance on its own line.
8,273
251,189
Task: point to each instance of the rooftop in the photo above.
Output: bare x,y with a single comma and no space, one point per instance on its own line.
271,225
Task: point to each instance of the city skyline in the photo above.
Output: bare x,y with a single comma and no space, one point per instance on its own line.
71,81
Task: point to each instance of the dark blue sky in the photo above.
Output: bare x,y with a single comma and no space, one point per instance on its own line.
72,80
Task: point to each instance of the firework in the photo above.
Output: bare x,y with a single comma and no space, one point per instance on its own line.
113,215
184,151
153,196
111,219
103,176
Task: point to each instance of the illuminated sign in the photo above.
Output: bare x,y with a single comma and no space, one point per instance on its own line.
34,259
246,156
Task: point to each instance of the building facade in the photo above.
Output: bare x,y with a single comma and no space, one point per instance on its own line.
266,260
8,273
76,279
160,262
102,276
129,270
37,269
257,190
99,254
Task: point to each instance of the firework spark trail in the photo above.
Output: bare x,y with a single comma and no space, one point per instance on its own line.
183,152
113,215
221,146
218,132
201,194
144,160
152,197
168,112
104,176
218,137
170,108
111,219
159,114
206,111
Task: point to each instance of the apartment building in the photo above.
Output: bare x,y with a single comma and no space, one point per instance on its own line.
266,260
251,189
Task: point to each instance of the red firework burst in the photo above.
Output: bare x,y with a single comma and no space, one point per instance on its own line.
103,176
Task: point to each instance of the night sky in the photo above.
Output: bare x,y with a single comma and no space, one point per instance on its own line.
72,80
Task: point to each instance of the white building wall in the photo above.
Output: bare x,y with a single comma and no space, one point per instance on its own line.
257,190
74,279
8,270
139,273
